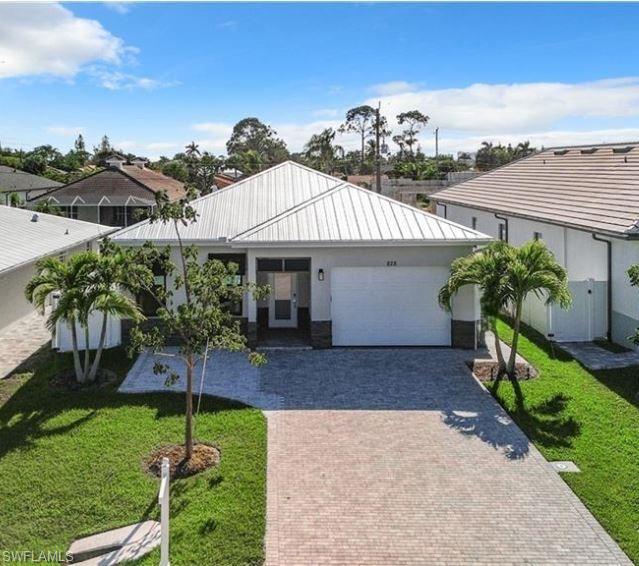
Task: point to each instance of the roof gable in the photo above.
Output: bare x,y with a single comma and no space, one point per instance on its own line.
587,187
15,180
348,213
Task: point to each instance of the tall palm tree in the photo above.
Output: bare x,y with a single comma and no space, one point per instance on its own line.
506,276
533,269
487,269
192,150
105,296
69,279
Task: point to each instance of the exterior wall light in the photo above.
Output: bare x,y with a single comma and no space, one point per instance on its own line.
320,275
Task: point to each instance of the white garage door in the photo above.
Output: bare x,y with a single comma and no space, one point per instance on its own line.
394,306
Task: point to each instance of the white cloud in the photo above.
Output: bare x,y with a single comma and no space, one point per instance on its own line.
65,130
515,107
326,112
48,39
229,25
394,87
216,128
118,7
117,80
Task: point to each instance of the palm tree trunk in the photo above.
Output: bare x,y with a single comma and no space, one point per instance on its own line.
87,352
501,363
98,354
513,347
79,374
188,433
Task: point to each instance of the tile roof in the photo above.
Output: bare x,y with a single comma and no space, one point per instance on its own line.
12,179
291,203
589,187
129,185
24,241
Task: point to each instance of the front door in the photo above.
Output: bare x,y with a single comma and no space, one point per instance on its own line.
282,311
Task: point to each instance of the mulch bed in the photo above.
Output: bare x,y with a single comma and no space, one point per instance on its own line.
204,456
487,370
68,382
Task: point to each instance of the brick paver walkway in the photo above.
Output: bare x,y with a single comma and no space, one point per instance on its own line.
397,456
20,340
595,357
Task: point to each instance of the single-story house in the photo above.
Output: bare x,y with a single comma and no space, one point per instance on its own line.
26,237
583,202
347,266
25,185
115,195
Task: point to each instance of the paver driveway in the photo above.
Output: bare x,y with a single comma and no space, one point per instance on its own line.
400,457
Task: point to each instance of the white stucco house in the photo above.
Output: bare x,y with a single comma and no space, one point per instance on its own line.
584,203
26,237
348,267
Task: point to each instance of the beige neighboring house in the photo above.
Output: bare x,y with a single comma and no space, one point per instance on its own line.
26,237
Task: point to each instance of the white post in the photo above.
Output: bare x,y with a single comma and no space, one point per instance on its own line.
163,500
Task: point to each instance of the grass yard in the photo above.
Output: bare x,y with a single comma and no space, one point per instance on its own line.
591,418
71,465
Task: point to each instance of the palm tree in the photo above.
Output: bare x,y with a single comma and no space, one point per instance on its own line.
106,297
321,151
486,269
70,280
506,276
533,269
192,150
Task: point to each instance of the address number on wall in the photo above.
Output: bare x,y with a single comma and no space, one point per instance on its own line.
391,263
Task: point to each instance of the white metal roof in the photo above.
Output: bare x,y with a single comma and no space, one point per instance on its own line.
349,213
291,203
23,241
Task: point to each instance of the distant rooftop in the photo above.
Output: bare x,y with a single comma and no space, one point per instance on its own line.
12,179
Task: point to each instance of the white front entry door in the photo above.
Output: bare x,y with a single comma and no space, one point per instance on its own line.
394,306
282,308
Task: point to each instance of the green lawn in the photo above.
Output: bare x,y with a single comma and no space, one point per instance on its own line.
71,465
591,418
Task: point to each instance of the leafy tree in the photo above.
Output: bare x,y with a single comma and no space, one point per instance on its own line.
176,169
320,151
203,320
360,120
251,135
35,164
414,121
47,207
204,171
103,150
79,144
248,162
14,200
490,156
506,276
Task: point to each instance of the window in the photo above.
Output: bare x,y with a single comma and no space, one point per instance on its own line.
473,222
240,260
69,211
146,300
297,264
537,236
502,232
267,264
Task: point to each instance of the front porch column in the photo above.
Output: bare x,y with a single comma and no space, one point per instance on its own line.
251,303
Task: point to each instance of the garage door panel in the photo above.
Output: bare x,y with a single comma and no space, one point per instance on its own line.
388,307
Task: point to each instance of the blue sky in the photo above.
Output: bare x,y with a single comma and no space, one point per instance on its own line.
154,76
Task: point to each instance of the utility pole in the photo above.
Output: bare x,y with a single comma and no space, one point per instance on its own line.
378,164
437,142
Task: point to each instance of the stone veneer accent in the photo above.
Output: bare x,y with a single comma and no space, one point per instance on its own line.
466,334
321,334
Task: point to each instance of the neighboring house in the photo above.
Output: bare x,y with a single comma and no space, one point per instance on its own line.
115,196
26,237
24,184
347,267
584,203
